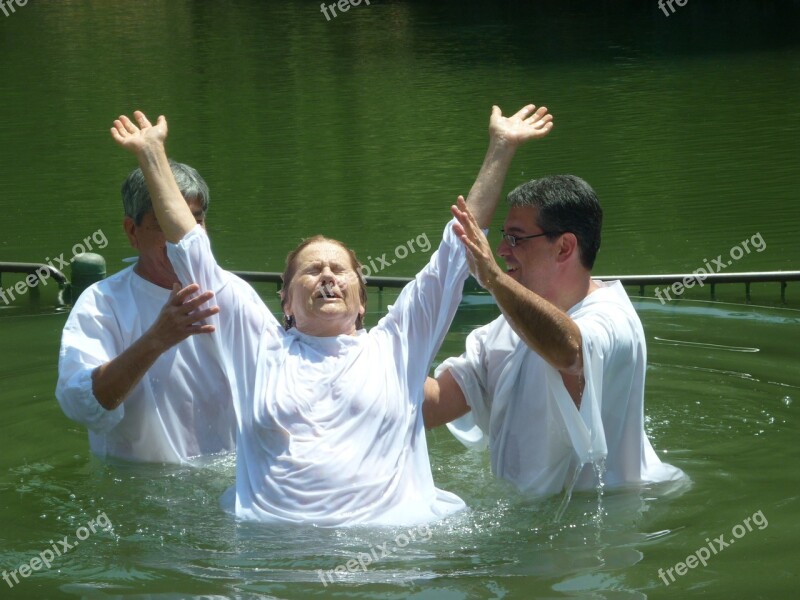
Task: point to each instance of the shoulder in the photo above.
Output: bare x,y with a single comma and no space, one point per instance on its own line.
107,290
240,288
610,300
608,311
237,282
495,337
256,313
497,328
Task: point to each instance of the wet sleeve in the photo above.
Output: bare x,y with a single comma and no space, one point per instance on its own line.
425,308
90,339
470,371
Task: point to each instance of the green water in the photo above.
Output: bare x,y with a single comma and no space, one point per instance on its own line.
365,128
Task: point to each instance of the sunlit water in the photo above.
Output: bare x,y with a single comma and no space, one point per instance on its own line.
365,128
722,411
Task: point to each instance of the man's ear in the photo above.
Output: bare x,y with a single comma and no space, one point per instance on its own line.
567,246
129,226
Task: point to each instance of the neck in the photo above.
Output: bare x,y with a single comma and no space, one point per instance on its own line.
156,274
576,288
326,329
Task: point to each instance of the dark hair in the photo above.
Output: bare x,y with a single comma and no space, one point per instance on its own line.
291,269
136,199
566,203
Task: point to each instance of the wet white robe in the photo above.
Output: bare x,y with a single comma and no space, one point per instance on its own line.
330,430
521,409
181,409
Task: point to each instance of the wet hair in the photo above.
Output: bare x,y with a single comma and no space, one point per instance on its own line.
136,199
291,269
565,203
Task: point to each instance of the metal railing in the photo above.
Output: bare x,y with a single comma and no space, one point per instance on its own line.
7,295
32,268
712,280
640,281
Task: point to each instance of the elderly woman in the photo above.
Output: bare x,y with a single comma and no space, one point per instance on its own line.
330,427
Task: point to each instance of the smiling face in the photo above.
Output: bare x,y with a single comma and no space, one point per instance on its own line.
533,262
324,292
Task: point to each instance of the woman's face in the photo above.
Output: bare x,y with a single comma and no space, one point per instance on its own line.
323,296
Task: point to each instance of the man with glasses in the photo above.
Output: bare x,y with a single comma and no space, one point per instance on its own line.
555,384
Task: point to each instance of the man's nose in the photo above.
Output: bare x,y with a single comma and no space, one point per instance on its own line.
504,248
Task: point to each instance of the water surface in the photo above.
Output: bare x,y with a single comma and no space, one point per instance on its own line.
365,128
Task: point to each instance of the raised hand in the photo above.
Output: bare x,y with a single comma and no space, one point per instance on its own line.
146,141
134,138
529,123
506,134
480,257
182,316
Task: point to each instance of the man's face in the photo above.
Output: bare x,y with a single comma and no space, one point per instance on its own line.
151,243
323,295
531,262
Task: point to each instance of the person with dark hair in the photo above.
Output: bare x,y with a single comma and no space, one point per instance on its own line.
132,368
555,385
330,428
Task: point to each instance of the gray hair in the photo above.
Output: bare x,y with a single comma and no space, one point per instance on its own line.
136,199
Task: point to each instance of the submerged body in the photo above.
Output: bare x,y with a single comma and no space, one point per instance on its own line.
330,423
182,408
330,429
539,440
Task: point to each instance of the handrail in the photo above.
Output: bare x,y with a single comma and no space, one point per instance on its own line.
711,279
32,268
372,280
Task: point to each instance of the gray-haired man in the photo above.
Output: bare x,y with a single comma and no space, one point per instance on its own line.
131,367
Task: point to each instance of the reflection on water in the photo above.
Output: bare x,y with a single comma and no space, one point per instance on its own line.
719,405
366,128
166,522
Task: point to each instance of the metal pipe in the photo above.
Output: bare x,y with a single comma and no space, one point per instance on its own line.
31,268
633,280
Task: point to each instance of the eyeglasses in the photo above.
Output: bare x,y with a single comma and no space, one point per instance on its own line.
513,240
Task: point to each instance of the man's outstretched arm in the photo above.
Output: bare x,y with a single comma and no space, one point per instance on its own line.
444,401
146,142
544,327
506,134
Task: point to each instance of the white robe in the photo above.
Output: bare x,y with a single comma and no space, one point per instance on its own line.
330,429
537,438
183,406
